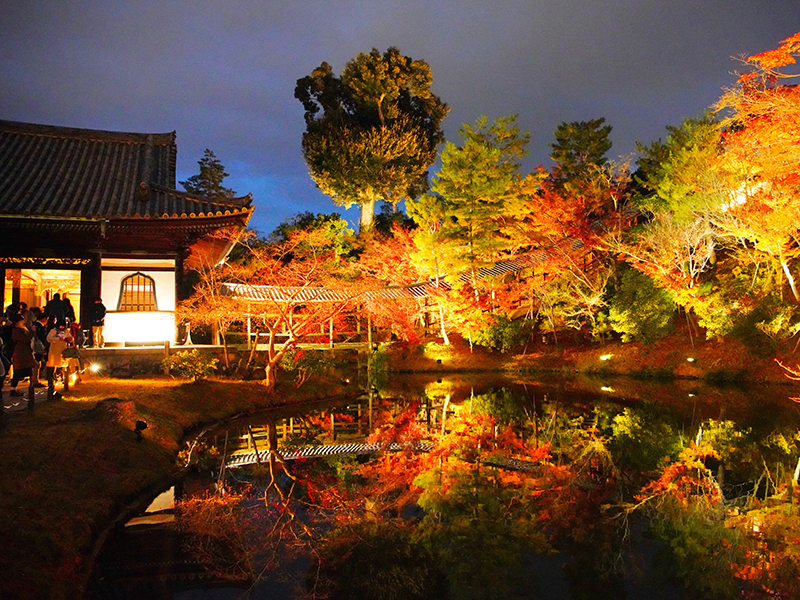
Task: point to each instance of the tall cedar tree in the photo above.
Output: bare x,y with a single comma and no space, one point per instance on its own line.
372,133
572,215
208,182
579,146
470,200
464,224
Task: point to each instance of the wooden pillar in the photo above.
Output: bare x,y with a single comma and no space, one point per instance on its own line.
330,331
249,329
16,284
91,281
179,291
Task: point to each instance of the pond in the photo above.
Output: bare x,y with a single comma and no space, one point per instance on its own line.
482,486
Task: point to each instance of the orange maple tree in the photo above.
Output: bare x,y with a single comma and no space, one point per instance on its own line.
761,152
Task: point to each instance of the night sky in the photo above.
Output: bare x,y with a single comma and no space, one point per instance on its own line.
222,73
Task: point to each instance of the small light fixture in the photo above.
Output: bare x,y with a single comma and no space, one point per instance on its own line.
606,356
139,428
691,359
94,367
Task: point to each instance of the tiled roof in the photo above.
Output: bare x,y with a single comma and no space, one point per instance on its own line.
59,172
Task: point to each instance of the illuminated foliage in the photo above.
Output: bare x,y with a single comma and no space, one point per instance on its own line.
192,365
580,147
465,224
504,334
639,310
302,257
574,214
677,243
763,157
469,196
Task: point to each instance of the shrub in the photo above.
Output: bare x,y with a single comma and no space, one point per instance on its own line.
640,310
504,334
191,365
306,364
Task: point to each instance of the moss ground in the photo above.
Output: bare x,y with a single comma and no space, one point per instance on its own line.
70,467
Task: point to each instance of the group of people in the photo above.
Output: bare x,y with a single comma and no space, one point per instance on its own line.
35,341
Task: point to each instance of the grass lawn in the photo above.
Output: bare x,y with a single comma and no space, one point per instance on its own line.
69,468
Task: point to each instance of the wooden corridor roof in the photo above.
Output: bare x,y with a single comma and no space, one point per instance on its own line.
308,294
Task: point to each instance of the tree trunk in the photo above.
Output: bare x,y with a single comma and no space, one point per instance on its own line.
367,215
269,368
792,284
269,376
225,348
273,359
441,324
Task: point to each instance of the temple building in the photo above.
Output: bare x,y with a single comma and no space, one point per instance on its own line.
95,214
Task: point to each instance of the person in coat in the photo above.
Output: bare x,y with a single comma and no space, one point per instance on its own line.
59,338
22,358
98,317
55,307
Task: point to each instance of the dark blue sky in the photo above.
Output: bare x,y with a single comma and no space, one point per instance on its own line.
222,73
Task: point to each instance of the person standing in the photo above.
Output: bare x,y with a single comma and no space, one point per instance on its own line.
98,317
59,338
40,347
69,310
22,358
55,308
27,315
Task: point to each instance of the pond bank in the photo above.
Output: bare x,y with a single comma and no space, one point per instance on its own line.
676,356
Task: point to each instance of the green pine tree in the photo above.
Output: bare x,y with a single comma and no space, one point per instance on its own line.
208,182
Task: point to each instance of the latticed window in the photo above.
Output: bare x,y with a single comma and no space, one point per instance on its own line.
138,293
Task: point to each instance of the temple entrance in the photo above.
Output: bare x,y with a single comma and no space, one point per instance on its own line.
37,286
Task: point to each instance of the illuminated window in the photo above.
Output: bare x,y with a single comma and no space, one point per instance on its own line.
138,294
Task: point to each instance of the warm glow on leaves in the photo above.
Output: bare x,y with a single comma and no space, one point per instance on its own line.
781,56
684,479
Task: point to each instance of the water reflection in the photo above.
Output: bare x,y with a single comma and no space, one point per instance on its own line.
564,488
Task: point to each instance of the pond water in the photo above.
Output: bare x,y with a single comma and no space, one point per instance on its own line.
600,502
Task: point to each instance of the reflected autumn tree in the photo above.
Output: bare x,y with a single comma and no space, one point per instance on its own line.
489,498
462,516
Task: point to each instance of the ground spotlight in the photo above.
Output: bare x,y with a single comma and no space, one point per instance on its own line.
139,428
